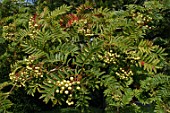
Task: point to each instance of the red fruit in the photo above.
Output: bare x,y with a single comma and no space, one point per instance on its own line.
142,63
72,18
34,18
61,22
68,20
75,18
69,23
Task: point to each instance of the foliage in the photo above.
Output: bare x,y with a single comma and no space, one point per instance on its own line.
67,54
5,103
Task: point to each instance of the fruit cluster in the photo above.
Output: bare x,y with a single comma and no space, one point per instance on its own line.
124,75
142,20
8,32
68,20
67,87
109,57
26,70
84,28
33,26
116,97
132,56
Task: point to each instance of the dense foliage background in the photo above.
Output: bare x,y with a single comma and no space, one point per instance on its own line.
84,56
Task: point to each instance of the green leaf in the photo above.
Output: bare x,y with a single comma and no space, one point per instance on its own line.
2,40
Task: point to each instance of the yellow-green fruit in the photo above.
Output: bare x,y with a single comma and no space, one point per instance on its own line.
70,84
66,92
61,83
57,91
78,82
71,78
63,88
49,81
66,85
72,102
64,81
68,81
78,88
70,95
61,91
58,82
36,25
69,88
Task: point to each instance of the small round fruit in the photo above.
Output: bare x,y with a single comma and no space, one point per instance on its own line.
69,88
49,81
70,84
72,102
69,103
66,92
70,95
78,82
78,88
68,81
63,88
61,83
61,91
37,67
73,83
28,67
36,25
36,71
64,81
66,85
57,91
58,82
32,60
71,78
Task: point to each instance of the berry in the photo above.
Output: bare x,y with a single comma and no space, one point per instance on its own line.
71,78
63,88
66,85
66,91
78,88
57,91
69,88
61,83
70,95
142,63
78,82
61,91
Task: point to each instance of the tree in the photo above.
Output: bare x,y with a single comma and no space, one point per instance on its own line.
67,54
